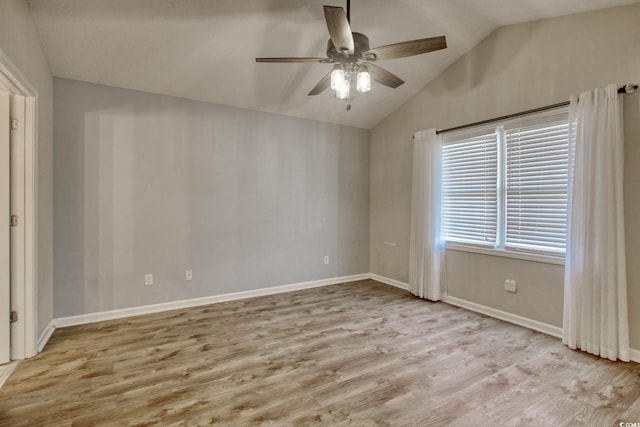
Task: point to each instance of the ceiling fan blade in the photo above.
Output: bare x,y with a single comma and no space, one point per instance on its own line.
383,76
293,59
408,48
339,29
324,83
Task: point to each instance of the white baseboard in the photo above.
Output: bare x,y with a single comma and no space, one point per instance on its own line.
554,331
492,312
7,370
388,281
173,305
195,302
545,328
46,334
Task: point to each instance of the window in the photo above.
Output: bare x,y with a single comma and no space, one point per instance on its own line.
470,189
504,187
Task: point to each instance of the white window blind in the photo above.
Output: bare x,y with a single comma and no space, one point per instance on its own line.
536,199
469,189
505,187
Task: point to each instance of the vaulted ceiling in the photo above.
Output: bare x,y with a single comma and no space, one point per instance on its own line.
205,49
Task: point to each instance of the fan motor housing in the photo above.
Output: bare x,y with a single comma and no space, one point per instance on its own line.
360,43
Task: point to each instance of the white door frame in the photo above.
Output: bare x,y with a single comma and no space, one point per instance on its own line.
5,253
24,190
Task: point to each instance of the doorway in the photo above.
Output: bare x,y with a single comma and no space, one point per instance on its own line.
18,319
5,248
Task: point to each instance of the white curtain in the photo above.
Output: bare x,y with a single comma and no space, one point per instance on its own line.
595,285
426,249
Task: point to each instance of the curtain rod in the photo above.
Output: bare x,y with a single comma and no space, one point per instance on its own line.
508,116
629,88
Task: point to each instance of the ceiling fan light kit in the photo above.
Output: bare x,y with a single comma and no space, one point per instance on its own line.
337,77
341,77
363,82
350,53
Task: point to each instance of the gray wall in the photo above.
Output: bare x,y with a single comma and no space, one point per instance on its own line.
147,183
20,41
516,68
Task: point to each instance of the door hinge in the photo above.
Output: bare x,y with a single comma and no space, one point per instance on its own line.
13,222
13,317
13,123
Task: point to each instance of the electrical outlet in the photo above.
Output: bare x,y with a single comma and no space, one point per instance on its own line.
510,285
188,275
326,259
148,279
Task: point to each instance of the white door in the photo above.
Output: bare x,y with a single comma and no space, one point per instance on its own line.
5,262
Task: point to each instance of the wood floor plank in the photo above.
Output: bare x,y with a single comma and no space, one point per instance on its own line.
356,354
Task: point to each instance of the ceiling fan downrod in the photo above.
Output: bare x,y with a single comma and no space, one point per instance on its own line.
349,11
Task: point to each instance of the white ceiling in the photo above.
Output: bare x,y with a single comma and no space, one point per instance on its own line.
205,49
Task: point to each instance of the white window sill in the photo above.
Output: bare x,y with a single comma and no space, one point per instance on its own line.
547,259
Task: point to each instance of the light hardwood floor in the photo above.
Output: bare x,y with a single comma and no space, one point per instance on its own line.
361,353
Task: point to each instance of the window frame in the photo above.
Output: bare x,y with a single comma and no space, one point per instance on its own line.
500,248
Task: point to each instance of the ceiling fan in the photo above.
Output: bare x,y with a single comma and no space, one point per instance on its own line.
350,53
